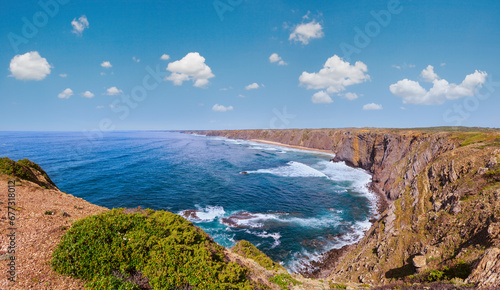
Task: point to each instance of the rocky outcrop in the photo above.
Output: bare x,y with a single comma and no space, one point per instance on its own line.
443,190
487,270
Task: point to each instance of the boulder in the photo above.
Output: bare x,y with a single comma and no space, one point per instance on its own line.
419,262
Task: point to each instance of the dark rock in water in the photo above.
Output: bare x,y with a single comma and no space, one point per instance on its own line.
243,172
190,213
232,220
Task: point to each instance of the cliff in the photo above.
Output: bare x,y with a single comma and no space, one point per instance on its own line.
441,185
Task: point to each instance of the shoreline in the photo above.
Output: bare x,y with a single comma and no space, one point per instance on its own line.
291,146
381,202
329,259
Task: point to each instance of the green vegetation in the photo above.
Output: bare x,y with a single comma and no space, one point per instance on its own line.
337,286
460,270
48,212
24,169
115,250
474,137
247,250
284,280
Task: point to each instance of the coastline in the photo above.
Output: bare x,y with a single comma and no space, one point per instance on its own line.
382,201
329,259
291,146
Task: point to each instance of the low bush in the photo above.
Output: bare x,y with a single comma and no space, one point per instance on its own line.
160,249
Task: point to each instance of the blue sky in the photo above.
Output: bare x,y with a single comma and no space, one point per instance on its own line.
96,65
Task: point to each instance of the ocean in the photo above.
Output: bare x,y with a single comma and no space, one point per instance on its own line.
292,204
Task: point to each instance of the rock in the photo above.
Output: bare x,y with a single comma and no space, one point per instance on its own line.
482,170
419,262
486,272
492,162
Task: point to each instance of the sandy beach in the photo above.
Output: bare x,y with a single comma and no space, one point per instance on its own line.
291,146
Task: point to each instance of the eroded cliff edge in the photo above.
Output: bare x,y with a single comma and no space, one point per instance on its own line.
443,190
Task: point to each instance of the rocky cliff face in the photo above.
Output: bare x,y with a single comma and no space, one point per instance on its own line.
443,201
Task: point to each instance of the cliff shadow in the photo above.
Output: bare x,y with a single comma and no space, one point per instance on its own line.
401,272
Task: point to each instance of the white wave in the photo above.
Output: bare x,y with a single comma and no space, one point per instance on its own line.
304,258
258,220
359,179
207,214
292,169
276,237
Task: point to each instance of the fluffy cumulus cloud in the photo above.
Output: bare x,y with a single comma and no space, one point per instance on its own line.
321,97
428,74
88,94
413,93
106,64
306,31
80,24
165,57
29,66
335,76
350,96
65,94
191,67
372,107
113,91
252,86
221,108
276,58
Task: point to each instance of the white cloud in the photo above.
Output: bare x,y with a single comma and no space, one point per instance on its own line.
443,64
306,31
88,94
191,67
113,91
221,108
165,57
99,107
321,97
65,94
372,107
103,73
63,75
276,58
241,96
29,66
350,96
80,24
413,93
396,66
335,75
252,86
136,59
428,74
411,65
106,64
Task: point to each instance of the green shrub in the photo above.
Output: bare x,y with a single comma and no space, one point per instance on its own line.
161,247
247,250
24,169
283,280
337,286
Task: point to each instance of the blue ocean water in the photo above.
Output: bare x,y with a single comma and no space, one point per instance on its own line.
292,204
